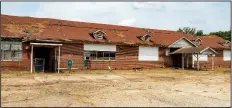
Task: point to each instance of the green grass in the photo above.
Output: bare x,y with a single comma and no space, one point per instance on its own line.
129,72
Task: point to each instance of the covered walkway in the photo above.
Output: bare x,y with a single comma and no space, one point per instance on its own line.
196,51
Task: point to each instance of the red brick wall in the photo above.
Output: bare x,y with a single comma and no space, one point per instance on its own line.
19,65
127,58
74,52
218,61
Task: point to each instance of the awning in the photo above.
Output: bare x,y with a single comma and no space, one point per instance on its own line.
195,50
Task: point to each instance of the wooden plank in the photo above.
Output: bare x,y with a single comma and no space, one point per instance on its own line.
31,58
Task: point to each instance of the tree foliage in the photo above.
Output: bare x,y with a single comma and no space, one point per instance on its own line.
199,33
192,31
187,30
224,34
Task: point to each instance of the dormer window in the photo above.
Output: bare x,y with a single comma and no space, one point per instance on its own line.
98,34
197,41
226,43
145,37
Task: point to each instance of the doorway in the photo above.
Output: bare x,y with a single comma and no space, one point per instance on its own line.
43,59
176,58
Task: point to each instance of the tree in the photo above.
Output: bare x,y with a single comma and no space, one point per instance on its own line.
180,30
224,34
188,30
199,33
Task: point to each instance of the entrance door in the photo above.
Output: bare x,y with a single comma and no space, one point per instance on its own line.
176,58
43,54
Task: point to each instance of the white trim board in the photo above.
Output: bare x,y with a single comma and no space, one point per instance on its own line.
99,47
182,46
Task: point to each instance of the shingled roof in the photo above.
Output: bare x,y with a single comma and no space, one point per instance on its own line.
74,31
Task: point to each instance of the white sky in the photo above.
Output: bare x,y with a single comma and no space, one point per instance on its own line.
208,16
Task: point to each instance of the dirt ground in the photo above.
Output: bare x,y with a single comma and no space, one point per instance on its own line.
101,88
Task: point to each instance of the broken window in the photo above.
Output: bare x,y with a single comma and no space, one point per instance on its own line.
145,37
98,34
11,50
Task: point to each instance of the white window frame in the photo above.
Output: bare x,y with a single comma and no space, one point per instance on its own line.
18,48
103,52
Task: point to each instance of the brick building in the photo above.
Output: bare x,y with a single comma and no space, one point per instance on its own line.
31,43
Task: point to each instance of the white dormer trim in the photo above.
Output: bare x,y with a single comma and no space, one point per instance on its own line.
198,39
227,42
209,49
145,36
99,31
101,36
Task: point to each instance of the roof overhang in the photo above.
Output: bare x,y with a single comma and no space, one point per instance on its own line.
195,50
45,44
181,39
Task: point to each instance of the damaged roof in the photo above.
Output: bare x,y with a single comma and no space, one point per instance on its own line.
74,31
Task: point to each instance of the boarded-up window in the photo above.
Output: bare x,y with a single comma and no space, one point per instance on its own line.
99,47
11,50
148,53
226,55
202,57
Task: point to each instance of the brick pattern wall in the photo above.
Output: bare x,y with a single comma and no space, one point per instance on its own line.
74,52
127,58
218,61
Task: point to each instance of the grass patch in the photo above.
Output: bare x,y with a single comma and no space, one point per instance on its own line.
161,71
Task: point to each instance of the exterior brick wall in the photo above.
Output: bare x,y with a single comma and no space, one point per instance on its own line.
24,64
218,61
74,52
126,58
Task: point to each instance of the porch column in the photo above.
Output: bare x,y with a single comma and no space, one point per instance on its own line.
59,61
212,62
55,59
183,61
193,60
31,58
187,65
198,66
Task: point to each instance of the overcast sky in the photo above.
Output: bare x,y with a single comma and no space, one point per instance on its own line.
207,16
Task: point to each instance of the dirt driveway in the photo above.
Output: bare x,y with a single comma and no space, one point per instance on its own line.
159,87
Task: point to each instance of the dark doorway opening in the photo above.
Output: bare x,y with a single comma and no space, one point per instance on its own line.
43,53
176,58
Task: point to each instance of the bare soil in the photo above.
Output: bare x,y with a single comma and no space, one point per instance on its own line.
101,88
